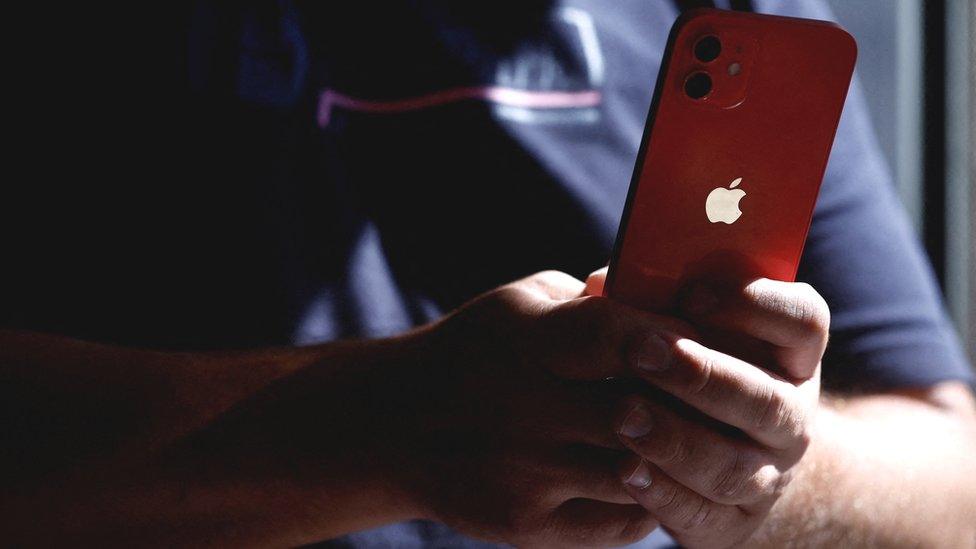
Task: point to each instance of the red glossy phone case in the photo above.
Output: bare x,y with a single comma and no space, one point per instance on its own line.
766,131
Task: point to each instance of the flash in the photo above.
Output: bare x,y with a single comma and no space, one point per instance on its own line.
734,69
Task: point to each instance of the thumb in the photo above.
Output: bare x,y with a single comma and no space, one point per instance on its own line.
595,282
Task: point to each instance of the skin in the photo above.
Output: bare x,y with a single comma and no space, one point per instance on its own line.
754,455
497,420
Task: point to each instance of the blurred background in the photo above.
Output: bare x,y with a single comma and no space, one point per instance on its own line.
917,63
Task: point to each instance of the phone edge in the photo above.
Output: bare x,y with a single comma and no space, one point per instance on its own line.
645,138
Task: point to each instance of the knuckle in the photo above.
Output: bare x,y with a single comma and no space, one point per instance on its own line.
600,327
730,481
674,452
802,437
770,481
549,274
590,315
688,513
776,412
800,302
703,378
543,281
697,369
697,515
592,307
745,479
811,311
779,480
515,296
766,294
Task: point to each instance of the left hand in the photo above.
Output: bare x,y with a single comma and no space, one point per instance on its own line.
710,471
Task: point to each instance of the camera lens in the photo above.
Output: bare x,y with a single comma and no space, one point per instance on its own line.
698,85
707,49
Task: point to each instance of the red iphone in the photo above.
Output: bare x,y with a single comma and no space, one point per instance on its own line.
735,147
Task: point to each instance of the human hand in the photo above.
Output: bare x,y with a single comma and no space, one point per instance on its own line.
505,426
710,471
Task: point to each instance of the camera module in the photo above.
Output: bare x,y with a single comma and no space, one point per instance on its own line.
707,49
698,85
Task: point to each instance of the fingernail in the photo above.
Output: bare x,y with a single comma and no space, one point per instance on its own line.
641,477
637,423
700,300
655,354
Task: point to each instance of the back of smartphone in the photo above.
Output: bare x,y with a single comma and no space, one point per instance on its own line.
735,148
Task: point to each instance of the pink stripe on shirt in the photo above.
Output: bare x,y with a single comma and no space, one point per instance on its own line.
511,97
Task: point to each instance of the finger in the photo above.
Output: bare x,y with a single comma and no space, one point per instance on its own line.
720,468
570,414
588,523
768,408
684,513
791,316
551,285
596,282
582,472
595,338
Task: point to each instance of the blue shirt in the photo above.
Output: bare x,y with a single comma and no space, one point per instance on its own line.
300,172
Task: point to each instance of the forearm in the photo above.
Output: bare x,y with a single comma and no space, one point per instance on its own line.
882,470
125,445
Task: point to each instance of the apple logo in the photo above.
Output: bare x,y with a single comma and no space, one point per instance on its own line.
723,204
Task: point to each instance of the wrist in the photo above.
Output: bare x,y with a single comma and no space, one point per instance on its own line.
336,431
400,391
380,403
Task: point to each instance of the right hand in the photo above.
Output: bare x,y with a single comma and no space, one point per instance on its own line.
505,426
